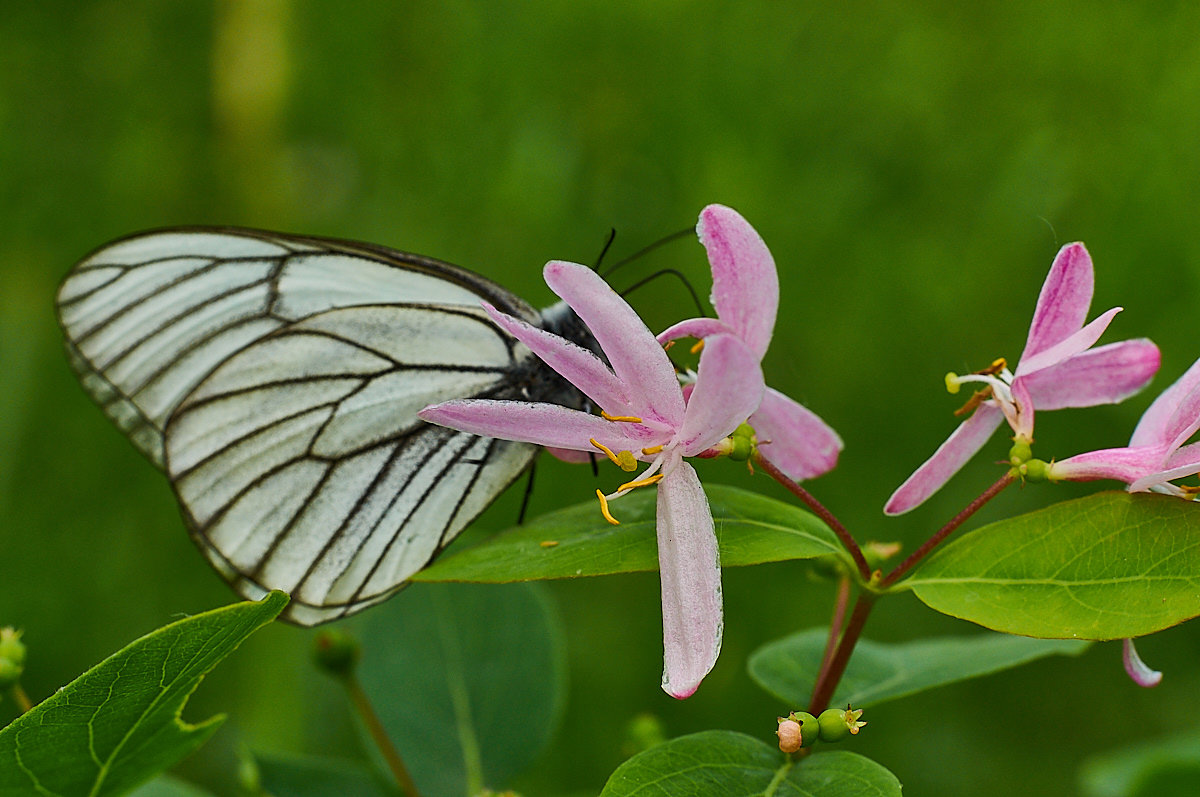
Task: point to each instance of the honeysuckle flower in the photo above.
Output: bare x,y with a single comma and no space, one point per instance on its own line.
1156,454
1058,369
1136,669
645,419
745,295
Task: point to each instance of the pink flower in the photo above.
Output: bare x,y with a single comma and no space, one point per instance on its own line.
646,419
745,295
1156,454
1058,369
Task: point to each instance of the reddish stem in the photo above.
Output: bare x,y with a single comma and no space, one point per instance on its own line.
824,514
945,531
829,678
836,624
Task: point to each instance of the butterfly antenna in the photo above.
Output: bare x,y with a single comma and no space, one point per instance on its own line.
528,493
675,236
608,242
673,273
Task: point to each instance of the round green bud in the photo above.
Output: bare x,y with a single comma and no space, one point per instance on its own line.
10,673
12,657
837,724
1037,470
336,652
810,728
1020,452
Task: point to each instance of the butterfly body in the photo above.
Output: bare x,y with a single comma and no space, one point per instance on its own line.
276,380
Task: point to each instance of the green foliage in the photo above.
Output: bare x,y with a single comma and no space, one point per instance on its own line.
879,671
577,541
119,723
1168,767
1107,566
468,680
723,762
167,786
292,776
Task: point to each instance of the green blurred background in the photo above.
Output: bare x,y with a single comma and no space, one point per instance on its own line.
913,170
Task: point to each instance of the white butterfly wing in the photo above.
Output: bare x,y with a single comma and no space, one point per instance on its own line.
276,379
147,317
337,493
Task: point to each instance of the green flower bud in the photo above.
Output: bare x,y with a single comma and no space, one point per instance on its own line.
12,657
1036,470
837,724
1020,452
336,652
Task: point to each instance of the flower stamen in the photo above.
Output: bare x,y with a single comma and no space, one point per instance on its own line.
697,347
620,418
655,479
622,459
652,450
604,509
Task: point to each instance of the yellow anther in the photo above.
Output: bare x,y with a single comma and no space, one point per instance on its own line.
655,479
622,459
667,346
604,509
548,543
622,418
652,450
998,365
696,349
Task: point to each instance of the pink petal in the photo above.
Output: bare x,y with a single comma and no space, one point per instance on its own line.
1136,668
792,438
571,456
636,357
1183,462
1122,464
745,284
965,441
544,424
698,328
1103,375
729,387
576,364
1022,424
1069,346
1160,423
1063,303
690,571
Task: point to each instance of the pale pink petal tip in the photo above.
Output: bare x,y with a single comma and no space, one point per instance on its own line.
1137,669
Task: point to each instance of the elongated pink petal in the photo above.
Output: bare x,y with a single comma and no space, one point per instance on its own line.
1183,462
745,284
1159,423
1103,375
1069,346
1022,424
690,570
1063,303
636,357
1136,669
793,438
966,440
729,388
1122,464
544,424
698,328
576,364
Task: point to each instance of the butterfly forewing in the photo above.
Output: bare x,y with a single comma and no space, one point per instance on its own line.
277,379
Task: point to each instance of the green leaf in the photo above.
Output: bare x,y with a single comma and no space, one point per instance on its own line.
728,763
577,541
296,776
119,723
469,680
879,672
1166,767
1108,566
167,786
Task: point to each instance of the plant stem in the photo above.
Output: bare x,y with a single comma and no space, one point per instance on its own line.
362,705
836,624
824,514
830,677
22,700
946,530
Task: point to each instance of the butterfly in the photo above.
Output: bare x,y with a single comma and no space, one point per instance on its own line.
276,378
